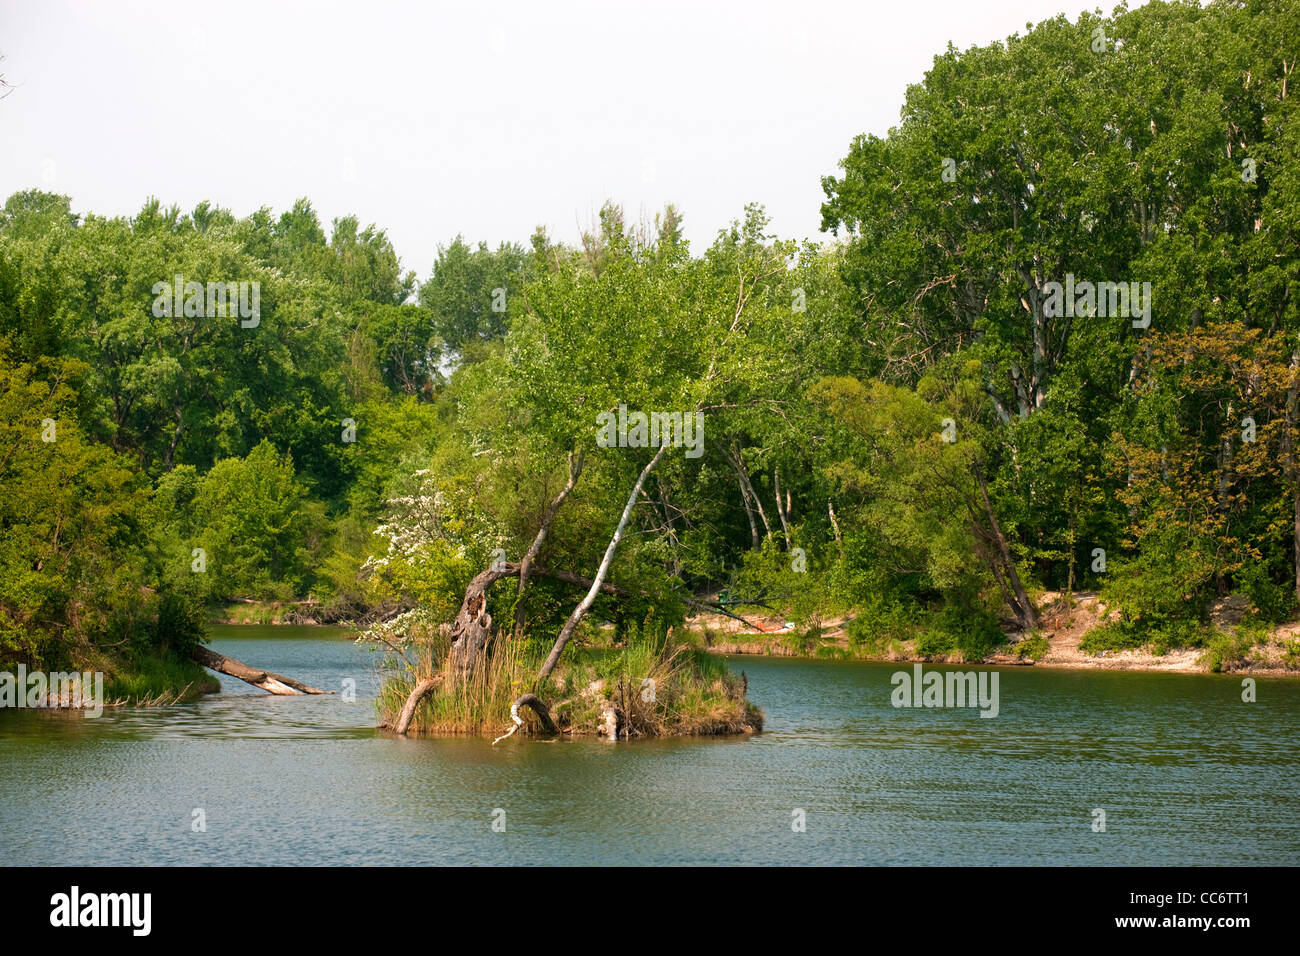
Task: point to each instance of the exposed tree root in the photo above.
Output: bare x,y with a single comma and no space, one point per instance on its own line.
539,708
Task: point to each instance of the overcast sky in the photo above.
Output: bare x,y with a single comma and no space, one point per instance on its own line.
478,118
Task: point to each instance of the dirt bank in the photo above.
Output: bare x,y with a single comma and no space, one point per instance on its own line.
1063,626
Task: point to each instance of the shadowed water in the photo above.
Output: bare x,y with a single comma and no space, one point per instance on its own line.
1185,771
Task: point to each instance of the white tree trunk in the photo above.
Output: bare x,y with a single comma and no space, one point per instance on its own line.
584,605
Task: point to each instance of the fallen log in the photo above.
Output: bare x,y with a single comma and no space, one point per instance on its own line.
276,684
717,607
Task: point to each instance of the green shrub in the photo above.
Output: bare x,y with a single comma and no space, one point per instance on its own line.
1291,653
1112,636
879,622
1273,602
1231,647
803,641
1161,636
1164,587
1034,647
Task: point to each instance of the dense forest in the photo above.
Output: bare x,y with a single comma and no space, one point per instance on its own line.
1052,345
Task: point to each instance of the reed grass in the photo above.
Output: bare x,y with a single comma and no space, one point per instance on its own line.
660,686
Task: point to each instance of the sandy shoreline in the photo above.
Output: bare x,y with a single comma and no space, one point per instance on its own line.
1063,626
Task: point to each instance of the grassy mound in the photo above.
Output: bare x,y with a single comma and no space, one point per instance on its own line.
660,688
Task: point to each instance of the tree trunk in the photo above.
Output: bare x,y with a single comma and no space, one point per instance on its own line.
416,695
473,625
1293,466
780,510
525,566
276,684
758,502
666,507
749,510
176,438
738,462
835,526
611,721
1295,539
1024,608
584,605
1073,539
1223,489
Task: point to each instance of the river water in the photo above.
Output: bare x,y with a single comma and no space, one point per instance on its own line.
1184,770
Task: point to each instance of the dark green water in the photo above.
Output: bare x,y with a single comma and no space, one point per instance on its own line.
1186,772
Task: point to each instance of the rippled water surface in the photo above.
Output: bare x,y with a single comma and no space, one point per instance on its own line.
1185,771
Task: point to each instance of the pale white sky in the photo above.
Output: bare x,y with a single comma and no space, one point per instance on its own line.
479,118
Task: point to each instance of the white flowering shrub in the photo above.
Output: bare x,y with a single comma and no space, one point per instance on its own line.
435,539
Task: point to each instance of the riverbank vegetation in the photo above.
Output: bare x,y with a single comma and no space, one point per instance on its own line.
677,691
1052,347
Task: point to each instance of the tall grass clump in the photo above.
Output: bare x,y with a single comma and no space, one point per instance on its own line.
657,685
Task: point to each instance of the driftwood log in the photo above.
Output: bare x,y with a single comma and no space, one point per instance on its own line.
276,684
